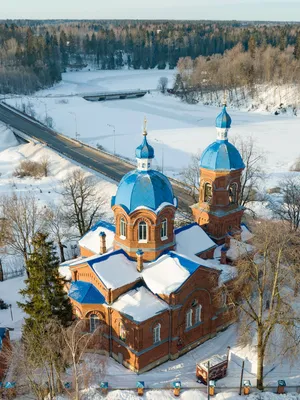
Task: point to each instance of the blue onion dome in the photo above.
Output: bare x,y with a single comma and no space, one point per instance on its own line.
144,150
223,120
221,156
144,189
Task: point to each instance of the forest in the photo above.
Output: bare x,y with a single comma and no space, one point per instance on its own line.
33,54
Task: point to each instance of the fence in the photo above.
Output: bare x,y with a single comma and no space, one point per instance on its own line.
13,273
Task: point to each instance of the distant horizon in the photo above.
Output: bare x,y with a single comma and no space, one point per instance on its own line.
191,10
151,19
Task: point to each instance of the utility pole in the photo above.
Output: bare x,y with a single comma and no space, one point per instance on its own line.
241,381
208,365
114,131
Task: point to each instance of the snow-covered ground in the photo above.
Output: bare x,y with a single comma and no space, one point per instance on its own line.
46,191
177,130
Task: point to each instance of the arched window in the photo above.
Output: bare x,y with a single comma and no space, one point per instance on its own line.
123,228
94,322
207,192
164,229
189,319
233,193
142,233
122,332
198,310
156,334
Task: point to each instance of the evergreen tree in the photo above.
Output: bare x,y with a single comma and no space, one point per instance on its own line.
297,47
44,296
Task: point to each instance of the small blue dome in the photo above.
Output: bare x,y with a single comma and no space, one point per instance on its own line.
223,120
143,189
144,150
221,156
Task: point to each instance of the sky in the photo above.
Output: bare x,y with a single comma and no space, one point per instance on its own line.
267,10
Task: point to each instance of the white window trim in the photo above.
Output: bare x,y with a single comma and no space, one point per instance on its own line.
156,336
198,314
189,319
165,237
124,224
143,240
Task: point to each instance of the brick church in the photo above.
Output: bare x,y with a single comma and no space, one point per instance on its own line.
157,291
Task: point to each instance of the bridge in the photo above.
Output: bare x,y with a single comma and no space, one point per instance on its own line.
111,166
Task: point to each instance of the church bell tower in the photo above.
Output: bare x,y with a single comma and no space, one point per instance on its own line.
218,211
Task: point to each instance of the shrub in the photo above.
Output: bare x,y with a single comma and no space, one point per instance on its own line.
33,169
3,305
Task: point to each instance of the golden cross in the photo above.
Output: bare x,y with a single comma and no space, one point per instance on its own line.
145,126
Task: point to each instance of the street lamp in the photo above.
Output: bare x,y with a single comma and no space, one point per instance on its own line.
114,131
75,118
162,154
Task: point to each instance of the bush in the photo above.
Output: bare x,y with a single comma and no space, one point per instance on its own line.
33,169
3,305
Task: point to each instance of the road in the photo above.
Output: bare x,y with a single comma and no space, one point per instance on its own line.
104,163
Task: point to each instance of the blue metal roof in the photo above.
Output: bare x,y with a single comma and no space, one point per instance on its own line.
144,150
143,189
221,156
85,293
223,120
103,224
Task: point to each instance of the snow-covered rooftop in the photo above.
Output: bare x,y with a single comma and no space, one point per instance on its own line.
165,275
91,240
245,234
115,269
140,304
192,239
237,249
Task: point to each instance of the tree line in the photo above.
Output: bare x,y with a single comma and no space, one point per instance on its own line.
243,72
34,53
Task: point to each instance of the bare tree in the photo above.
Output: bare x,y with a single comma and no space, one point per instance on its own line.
162,84
253,173
76,342
81,202
36,362
190,176
56,225
288,207
262,295
24,218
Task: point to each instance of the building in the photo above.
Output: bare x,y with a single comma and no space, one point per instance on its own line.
157,291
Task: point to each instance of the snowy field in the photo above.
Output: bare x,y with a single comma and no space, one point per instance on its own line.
176,130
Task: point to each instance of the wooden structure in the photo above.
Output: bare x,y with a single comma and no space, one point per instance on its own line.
176,388
281,386
140,388
217,368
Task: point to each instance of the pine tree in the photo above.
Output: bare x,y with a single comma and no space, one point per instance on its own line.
44,295
297,47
